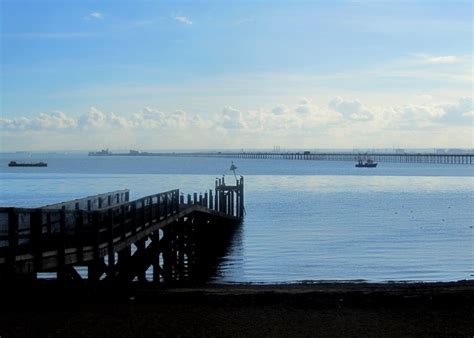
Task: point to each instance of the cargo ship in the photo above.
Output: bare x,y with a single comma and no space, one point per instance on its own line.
16,164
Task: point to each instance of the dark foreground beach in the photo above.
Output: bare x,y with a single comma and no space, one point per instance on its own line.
321,309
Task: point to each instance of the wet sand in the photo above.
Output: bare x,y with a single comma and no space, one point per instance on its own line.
297,310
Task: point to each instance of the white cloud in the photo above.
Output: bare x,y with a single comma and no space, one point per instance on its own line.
150,118
409,117
437,59
280,110
183,20
461,111
313,125
94,16
303,109
301,116
117,121
280,118
17,124
54,121
424,97
351,109
304,101
416,116
231,118
94,118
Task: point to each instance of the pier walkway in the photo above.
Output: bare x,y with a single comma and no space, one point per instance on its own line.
178,236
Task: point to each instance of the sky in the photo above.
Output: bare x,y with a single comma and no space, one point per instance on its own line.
160,75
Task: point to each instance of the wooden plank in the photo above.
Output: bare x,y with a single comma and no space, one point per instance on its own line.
62,245
12,240
156,260
175,199
80,236
123,222
36,224
151,209
95,234
242,205
134,217
165,205
141,272
211,200
110,245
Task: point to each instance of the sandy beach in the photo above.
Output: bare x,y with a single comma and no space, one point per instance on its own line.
297,310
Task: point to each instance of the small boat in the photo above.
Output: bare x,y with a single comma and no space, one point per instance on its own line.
367,164
16,164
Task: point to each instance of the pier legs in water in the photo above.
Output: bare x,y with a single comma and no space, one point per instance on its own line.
187,250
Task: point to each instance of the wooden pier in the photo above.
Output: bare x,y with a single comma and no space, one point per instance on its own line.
179,237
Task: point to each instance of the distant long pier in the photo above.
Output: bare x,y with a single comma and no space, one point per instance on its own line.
377,157
433,158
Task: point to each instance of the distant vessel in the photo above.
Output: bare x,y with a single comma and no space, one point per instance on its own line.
16,164
367,164
103,152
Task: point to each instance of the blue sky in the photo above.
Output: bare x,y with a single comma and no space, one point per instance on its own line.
251,73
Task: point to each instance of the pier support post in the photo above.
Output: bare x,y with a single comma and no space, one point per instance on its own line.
156,259
141,272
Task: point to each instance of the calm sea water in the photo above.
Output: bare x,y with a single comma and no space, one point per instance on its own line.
305,220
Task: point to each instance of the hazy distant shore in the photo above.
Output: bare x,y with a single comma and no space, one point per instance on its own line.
304,309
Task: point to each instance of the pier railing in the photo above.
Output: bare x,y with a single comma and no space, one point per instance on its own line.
226,199
24,230
93,202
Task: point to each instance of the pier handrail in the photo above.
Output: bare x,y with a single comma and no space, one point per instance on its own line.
93,202
21,226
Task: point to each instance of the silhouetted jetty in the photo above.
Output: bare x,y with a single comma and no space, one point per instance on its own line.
180,237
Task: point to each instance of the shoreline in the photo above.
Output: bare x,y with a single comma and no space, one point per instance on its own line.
326,309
